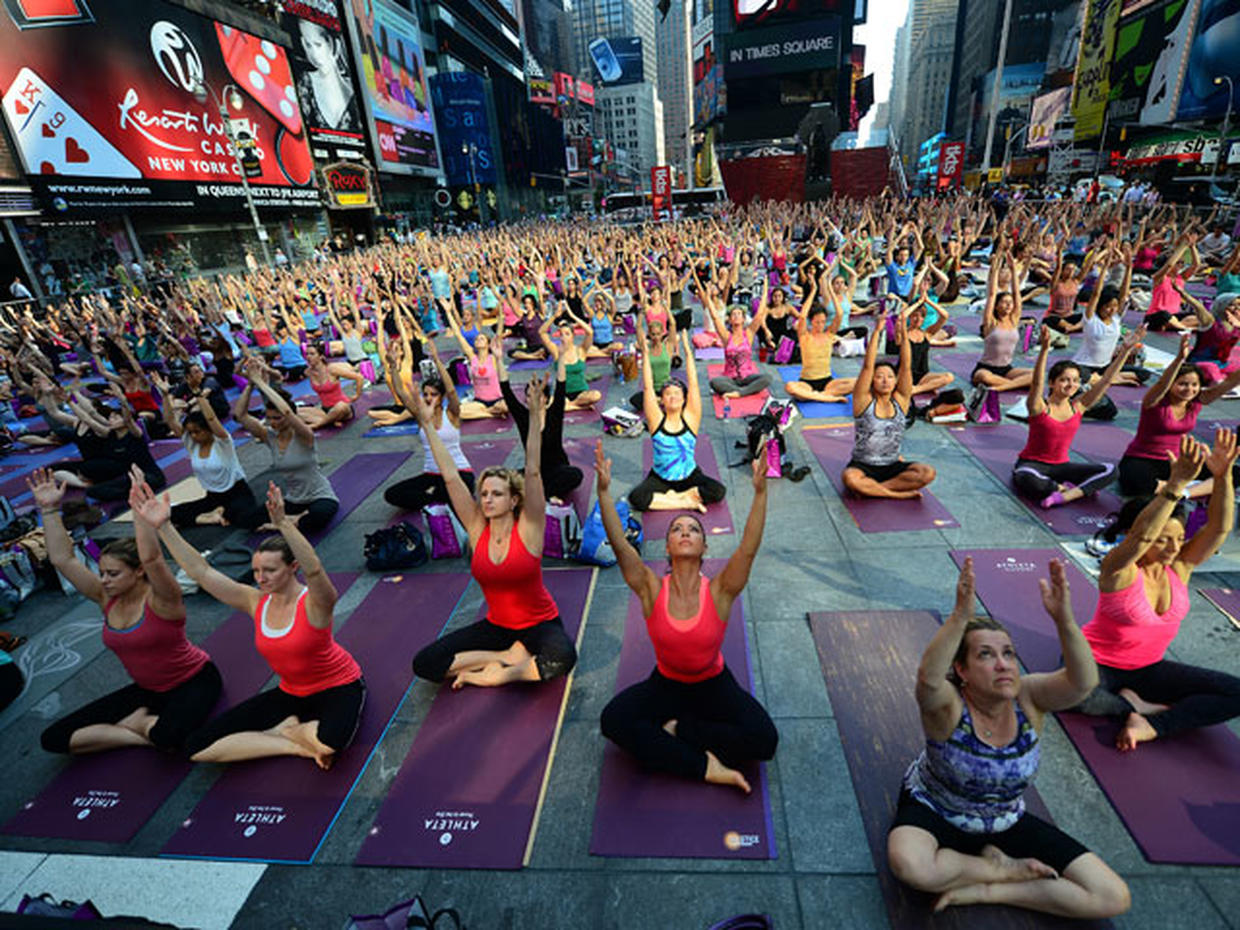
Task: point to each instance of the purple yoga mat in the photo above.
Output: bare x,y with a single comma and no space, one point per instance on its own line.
468,793
717,520
996,446
962,365
1101,442
591,415
640,813
353,482
833,448
108,797
1227,600
280,809
1179,797
580,452
488,452
486,427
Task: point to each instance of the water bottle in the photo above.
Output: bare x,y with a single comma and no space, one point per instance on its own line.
727,407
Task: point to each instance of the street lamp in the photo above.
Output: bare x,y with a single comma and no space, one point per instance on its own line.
470,151
204,92
1222,139
1007,147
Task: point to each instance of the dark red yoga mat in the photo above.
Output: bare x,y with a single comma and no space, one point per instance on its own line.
833,448
281,809
1179,797
109,797
717,520
1227,600
469,792
640,813
996,446
869,660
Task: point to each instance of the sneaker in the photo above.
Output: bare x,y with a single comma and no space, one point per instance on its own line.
1098,546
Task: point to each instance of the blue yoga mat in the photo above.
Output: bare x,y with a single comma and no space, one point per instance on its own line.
408,428
812,409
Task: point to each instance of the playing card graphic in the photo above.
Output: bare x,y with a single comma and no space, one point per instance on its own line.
53,138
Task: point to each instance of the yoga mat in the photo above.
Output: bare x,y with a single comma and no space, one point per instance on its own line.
869,660
737,406
962,365
406,428
710,353
640,813
812,409
996,445
187,489
488,453
1179,797
281,809
486,427
528,364
833,449
108,797
353,482
1227,600
580,452
590,415
716,520
1101,442
469,793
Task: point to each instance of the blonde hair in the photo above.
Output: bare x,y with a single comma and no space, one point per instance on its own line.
513,478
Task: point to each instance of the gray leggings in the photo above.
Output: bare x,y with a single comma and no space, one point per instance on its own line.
1199,697
750,384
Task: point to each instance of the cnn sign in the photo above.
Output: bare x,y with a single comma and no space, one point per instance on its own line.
951,164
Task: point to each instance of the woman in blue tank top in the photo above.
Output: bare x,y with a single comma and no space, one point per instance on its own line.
961,830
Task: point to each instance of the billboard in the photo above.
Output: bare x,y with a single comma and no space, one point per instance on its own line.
105,111
951,164
1215,52
460,99
568,88
1046,112
1150,50
387,43
1092,87
857,62
617,61
323,71
661,192
764,12
803,46
708,86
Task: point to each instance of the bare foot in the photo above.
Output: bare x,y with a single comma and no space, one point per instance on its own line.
732,395
670,727
904,495
488,676
694,496
212,518
324,760
515,654
1016,870
1136,730
719,774
965,894
1141,706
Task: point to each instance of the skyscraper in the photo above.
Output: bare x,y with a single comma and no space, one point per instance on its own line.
676,84
920,100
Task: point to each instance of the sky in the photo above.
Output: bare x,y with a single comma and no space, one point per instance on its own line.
878,35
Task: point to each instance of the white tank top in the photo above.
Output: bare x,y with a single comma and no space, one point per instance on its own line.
450,436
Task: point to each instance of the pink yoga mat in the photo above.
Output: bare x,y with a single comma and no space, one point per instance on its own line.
1179,797
717,519
640,813
737,406
281,809
833,449
109,797
996,446
467,794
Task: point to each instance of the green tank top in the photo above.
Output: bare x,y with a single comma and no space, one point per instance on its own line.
660,368
575,377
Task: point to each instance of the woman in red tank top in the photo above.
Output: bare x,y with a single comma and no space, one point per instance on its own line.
174,684
334,408
315,709
521,638
690,717
1042,471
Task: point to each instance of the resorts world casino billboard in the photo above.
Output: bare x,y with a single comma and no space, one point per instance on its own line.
100,102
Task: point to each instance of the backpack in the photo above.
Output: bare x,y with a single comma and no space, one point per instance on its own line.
595,549
393,547
562,536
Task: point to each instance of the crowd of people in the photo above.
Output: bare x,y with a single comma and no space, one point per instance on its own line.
780,283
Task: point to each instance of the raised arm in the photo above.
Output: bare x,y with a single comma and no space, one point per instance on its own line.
937,698
1035,400
1099,387
1221,513
693,395
241,406
1159,388
861,388
728,584
650,400
636,573
320,592
534,507
165,592
48,493
1068,685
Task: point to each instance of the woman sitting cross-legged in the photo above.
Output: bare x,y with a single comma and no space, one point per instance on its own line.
961,830
1143,599
522,637
315,709
817,339
881,402
675,482
690,717
1043,471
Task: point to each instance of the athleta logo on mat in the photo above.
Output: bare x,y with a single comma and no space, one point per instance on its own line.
735,841
451,820
1013,565
95,799
259,814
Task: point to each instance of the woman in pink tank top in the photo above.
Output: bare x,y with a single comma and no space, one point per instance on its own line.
740,377
690,717
1143,598
334,408
481,357
174,684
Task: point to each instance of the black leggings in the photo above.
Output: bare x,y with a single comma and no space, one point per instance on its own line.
422,490
318,513
240,508
744,386
1199,697
711,490
1037,480
181,710
1139,477
1061,322
560,478
12,681
553,652
338,711
716,715
117,489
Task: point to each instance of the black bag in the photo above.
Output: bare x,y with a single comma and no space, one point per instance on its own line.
1105,409
393,547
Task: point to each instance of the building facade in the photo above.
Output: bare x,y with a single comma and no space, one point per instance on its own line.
675,84
631,118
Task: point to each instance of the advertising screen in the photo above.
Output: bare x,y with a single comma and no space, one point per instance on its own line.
617,61
464,131
1093,86
388,48
803,46
1046,111
764,12
1215,52
323,71
1150,49
708,86
116,106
